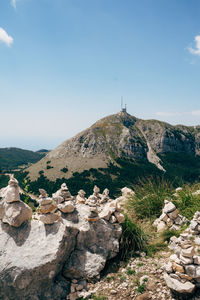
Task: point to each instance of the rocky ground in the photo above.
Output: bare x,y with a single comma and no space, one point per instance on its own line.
140,279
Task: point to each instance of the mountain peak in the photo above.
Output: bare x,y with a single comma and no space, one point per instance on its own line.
120,135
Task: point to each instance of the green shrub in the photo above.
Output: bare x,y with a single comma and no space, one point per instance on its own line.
187,203
64,170
130,272
149,197
167,234
49,167
4,181
151,249
141,288
133,239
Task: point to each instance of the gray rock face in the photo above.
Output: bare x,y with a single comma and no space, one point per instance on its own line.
96,242
35,257
179,287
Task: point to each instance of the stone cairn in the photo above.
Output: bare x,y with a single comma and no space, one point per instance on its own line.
108,209
80,198
12,210
93,203
169,218
47,209
101,206
182,272
64,199
105,197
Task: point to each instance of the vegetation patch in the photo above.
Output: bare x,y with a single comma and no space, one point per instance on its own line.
133,239
149,197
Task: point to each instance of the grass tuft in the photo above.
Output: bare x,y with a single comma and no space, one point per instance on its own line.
133,239
149,197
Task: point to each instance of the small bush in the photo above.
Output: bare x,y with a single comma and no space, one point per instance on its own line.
149,197
130,272
167,234
64,170
141,288
49,167
187,203
151,249
133,239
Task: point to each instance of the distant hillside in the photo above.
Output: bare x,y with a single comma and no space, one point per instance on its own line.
12,158
43,151
118,151
119,136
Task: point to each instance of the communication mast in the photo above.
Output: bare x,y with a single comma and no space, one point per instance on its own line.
123,107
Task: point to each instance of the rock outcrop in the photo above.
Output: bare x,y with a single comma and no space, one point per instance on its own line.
42,260
170,218
12,210
183,270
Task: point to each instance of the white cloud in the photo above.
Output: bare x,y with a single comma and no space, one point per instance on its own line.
167,114
197,50
14,3
5,38
174,114
195,112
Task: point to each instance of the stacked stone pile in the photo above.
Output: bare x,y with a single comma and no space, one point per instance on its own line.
170,218
48,258
12,210
47,209
112,212
80,198
64,199
183,269
126,194
105,197
93,202
101,206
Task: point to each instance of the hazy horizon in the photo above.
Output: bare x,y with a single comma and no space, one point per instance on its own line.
35,143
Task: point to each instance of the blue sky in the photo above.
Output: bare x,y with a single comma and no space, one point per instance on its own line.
66,63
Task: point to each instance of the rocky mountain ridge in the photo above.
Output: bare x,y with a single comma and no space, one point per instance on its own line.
117,136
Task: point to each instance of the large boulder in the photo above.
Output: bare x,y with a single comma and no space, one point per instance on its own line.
35,256
16,213
179,287
96,243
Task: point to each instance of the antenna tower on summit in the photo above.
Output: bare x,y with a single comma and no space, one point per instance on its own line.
123,108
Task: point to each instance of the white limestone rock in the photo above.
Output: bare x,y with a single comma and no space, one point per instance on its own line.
173,215
107,212
169,207
45,209
16,213
126,192
49,218
188,252
66,207
186,260
45,201
161,226
80,198
119,216
11,192
168,267
178,286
